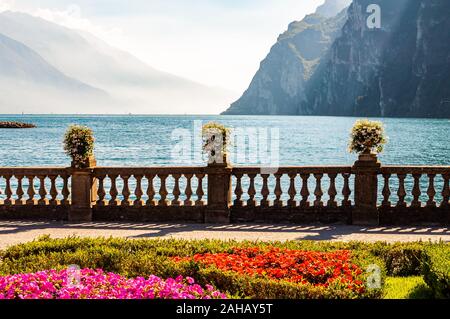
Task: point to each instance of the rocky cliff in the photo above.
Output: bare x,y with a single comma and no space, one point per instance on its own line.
401,69
279,85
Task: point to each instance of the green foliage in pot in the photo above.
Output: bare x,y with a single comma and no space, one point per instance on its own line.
79,144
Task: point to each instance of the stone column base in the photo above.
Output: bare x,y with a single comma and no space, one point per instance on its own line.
218,216
80,214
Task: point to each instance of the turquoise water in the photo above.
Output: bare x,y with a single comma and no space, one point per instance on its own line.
156,140
150,140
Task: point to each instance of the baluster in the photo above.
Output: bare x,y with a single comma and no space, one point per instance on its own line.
305,191
445,191
332,192
101,191
292,191
251,191
53,190
401,190
138,191
42,190
113,192
188,191
278,191
265,191
176,190
126,190
163,190
65,191
1,192
31,192
346,191
431,191
8,191
386,191
150,190
238,191
318,191
19,190
200,192
416,191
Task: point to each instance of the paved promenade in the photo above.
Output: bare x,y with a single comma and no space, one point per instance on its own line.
14,232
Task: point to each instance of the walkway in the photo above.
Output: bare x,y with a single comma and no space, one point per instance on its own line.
14,232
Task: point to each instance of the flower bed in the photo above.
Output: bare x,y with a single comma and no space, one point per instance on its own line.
319,269
96,284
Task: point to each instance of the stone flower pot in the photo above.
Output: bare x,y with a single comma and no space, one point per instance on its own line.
368,156
88,162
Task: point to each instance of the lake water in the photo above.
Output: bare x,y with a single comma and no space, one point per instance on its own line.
154,140
176,141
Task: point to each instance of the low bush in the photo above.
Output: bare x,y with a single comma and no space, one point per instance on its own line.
407,288
436,270
401,259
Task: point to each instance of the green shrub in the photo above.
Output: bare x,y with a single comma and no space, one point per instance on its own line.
407,288
401,259
436,270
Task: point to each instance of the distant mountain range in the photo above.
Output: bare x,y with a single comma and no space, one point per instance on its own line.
331,63
45,68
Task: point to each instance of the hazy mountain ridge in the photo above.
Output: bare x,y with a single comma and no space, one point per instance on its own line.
21,62
133,86
27,79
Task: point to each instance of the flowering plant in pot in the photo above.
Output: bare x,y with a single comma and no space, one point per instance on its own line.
79,145
216,138
367,138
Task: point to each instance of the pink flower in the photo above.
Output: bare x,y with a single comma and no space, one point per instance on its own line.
96,284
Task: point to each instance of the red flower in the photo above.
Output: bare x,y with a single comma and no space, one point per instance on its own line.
302,267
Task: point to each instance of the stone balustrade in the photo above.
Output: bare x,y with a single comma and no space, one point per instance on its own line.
366,193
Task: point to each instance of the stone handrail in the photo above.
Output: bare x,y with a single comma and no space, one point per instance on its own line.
47,184
304,173
366,193
149,174
416,173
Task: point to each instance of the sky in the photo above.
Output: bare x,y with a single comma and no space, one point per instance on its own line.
219,43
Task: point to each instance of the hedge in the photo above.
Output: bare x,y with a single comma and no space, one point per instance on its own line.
436,270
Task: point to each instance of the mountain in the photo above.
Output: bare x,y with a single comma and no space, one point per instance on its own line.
330,8
25,74
134,86
400,70
279,85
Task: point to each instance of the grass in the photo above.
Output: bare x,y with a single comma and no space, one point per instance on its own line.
407,288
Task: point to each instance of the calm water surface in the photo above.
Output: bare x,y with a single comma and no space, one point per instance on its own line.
150,140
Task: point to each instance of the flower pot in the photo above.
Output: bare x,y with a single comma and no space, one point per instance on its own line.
88,162
218,160
368,156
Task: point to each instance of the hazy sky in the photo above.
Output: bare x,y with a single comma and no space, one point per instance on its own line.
215,42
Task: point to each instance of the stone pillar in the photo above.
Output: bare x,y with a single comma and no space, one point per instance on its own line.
366,189
219,193
83,191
